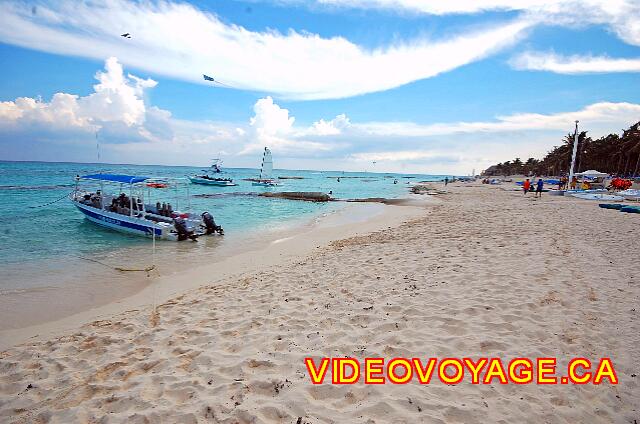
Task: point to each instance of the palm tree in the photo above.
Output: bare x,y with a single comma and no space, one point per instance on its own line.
613,154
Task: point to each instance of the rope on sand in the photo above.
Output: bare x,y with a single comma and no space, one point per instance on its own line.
117,268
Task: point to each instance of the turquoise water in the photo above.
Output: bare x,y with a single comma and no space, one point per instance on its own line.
54,262
35,239
31,233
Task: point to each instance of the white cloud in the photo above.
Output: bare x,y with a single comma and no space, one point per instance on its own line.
61,112
116,98
179,41
621,16
270,119
272,126
333,127
439,7
400,156
132,131
573,64
115,109
461,146
124,123
596,116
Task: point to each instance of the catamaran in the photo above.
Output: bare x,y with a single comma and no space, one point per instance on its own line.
206,179
266,169
131,214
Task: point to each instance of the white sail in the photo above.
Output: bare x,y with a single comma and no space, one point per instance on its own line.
267,165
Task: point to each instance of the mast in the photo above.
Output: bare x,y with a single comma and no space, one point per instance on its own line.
100,171
262,166
98,148
575,150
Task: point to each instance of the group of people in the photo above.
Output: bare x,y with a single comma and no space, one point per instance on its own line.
123,204
94,200
528,186
563,183
164,209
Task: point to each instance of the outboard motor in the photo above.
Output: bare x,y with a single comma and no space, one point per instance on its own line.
210,224
183,232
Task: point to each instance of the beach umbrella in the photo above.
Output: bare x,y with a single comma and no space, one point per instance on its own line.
592,173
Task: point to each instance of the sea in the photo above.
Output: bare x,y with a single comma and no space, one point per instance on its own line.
49,251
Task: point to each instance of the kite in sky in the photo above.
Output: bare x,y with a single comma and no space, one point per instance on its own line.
208,78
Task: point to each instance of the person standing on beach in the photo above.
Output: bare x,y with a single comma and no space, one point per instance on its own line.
446,181
526,185
574,183
539,186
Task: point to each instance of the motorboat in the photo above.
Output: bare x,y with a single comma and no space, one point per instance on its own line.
207,180
216,165
94,196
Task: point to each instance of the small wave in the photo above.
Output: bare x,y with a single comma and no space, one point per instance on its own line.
42,187
234,194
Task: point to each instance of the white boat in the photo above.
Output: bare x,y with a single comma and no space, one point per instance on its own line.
130,214
582,192
216,165
207,180
630,194
266,169
597,196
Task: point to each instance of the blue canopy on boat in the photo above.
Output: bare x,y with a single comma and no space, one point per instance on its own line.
116,178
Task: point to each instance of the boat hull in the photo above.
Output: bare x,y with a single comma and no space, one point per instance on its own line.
598,196
630,209
264,183
131,225
118,222
214,183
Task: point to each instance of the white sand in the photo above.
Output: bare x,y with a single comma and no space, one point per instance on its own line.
484,273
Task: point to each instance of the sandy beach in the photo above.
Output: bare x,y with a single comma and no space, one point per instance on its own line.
478,272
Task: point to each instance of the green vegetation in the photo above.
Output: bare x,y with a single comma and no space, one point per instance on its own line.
614,154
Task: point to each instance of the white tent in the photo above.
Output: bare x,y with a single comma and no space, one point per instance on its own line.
592,173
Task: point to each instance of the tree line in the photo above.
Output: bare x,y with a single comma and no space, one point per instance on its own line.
614,154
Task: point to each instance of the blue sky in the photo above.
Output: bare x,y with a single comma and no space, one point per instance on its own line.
416,86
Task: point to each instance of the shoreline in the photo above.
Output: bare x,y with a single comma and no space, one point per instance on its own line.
466,277
248,254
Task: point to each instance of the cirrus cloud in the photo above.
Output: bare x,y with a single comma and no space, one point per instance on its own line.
180,41
576,64
621,16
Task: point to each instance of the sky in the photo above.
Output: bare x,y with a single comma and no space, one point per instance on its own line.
415,86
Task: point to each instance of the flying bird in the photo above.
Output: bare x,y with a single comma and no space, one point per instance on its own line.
208,78
125,35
